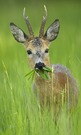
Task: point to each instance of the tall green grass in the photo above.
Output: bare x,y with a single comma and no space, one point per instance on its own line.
20,112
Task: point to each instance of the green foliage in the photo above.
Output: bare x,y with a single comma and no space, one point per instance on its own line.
42,73
20,113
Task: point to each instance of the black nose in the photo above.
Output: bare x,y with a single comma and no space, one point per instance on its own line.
39,65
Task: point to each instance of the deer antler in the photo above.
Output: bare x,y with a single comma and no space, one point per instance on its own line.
28,24
41,33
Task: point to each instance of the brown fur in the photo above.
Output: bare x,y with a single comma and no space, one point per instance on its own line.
60,89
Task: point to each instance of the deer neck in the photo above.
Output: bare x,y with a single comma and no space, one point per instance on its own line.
42,83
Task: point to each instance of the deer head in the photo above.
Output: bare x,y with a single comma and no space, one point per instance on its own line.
37,47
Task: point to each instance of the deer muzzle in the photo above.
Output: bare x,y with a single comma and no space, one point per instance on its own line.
39,65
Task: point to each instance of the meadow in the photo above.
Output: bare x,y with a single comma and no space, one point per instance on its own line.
19,109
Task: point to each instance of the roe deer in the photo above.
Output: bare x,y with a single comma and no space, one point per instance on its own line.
37,48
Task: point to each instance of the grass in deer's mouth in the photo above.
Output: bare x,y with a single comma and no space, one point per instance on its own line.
43,73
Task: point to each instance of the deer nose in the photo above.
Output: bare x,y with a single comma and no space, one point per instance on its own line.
39,65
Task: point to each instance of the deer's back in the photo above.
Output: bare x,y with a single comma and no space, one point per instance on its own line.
65,85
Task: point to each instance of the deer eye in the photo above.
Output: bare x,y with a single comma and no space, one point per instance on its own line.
47,50
29,52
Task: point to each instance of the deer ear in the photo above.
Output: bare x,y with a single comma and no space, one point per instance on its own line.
52,31
18,34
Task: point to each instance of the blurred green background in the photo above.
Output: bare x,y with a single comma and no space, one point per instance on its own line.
17,101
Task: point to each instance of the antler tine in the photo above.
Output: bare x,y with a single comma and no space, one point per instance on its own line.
28,24
41,33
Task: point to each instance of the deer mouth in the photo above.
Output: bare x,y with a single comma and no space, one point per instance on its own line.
39,66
